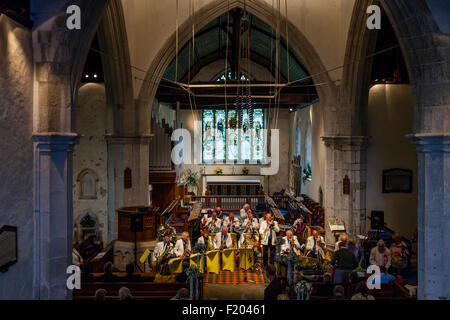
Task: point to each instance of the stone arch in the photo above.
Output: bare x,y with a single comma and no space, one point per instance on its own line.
424,49
87,176
263,11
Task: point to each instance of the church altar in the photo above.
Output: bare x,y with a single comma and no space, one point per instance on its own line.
232,184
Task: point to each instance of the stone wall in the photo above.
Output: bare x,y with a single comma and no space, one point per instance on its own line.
391,118
16,153
90,156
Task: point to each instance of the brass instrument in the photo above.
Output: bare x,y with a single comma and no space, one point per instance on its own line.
163,257
187,252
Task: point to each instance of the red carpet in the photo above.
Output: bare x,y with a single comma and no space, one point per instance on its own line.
237,277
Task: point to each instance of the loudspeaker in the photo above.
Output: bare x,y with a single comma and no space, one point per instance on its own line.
377,220
137,223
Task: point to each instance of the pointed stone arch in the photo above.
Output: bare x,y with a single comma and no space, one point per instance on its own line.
258,8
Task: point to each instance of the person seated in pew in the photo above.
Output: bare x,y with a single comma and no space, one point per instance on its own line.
206,240
244,211
274,288
183,246
131,276
100,295
339,293
290,243
182,294
362,292
213,223
250,223
223,240
125,294
231,223
108,276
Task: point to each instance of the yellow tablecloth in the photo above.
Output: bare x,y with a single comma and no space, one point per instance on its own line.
213,261
228,261
176,265
196,260
246,258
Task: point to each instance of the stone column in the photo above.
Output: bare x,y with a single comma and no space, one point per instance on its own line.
126,152
52,213
433,215
346,156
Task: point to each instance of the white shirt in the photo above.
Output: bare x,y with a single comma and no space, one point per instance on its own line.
287,245
266,233
210,242
310,245
243,214
227,223
179,247
218,241
211,225
159,249
249,224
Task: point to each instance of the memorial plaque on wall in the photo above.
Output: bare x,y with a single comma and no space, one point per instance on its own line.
397,180
8,247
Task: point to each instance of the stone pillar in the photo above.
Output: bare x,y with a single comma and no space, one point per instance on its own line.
126,152
52,213
346,156
433,215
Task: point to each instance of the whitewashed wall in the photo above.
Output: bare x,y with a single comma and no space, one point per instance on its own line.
91,153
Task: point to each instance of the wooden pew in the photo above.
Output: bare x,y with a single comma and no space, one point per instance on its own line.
147,290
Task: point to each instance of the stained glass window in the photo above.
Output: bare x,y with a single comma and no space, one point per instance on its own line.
208,135
223,139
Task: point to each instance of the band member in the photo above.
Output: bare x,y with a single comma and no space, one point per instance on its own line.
162,253
313,245
299,226
213,223
244,211
223,240
231,223
268,230
343,238
250,223
206,240
219,213
290,243
183,246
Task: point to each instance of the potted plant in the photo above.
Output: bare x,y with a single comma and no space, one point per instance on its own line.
218,170
245,171
192,180
307,175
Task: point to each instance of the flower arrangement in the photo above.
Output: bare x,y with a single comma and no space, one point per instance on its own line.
245,171
303,289
166,230
218,170
192,178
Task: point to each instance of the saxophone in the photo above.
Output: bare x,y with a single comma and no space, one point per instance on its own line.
187,252
166,254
